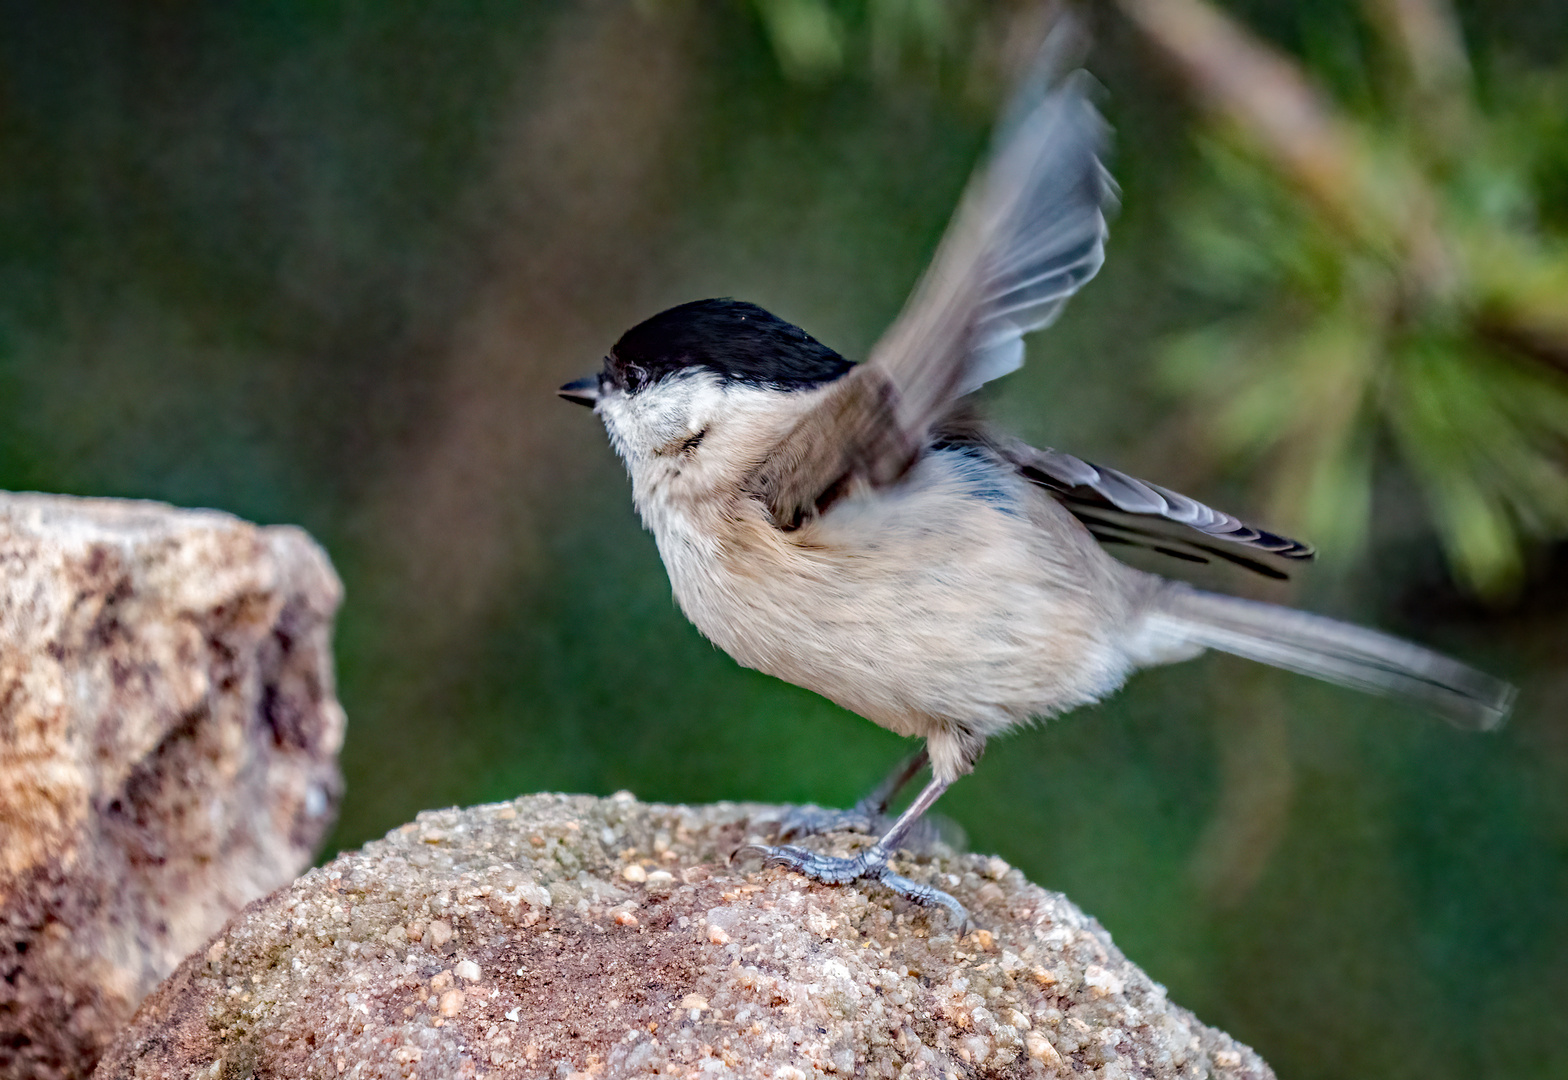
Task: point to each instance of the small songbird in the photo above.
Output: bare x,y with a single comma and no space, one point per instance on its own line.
857,530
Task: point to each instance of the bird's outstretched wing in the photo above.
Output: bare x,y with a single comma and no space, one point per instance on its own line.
1029,231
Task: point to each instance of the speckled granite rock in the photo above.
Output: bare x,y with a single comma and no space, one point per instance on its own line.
168,746
566,936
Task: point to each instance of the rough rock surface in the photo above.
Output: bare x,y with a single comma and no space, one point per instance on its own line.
567,936
168,744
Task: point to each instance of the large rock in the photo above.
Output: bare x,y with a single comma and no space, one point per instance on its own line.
566,936
168,742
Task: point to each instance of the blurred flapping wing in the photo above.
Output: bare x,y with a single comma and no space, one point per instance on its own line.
1029,231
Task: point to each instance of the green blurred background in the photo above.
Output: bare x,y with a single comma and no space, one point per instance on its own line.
325,262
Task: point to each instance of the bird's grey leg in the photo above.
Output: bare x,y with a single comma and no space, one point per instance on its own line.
876,803
870,863
869,815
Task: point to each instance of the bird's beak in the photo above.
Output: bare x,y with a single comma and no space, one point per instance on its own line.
584,391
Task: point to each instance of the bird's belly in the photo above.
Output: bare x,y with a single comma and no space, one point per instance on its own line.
943,623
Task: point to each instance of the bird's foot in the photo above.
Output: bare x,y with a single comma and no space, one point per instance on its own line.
870,865
799,822
802,821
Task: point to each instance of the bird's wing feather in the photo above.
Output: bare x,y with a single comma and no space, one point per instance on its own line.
1121,509
1029,231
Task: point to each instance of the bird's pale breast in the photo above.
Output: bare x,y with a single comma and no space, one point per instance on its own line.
941,599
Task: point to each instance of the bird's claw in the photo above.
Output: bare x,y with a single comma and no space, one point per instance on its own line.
870,865
926,896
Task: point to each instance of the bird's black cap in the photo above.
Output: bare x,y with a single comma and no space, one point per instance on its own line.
737,341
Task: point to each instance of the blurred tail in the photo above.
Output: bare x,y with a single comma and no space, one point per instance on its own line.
1333,651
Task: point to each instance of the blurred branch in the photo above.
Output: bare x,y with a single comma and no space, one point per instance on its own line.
577,195
1426,36
1266,96
1389,272
1258,782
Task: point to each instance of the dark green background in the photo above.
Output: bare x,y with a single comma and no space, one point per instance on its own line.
324,262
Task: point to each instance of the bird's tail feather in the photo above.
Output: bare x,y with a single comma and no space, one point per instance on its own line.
1333,651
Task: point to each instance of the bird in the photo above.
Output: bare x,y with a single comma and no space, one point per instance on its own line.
860,530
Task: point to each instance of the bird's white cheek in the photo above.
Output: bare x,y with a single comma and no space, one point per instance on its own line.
621,427
617,441
637,428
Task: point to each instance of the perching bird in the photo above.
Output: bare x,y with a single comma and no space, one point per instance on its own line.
855,528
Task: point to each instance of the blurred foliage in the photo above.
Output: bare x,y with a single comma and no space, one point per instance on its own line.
814,39
965,43
1392,271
